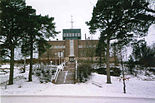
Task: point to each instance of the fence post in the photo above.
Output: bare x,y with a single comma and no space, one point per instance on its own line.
75,71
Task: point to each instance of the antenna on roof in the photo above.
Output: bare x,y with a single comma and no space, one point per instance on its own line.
72,22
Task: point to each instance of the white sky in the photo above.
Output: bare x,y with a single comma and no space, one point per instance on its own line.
61,10
81,10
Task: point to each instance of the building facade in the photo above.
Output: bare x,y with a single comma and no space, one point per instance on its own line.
71,47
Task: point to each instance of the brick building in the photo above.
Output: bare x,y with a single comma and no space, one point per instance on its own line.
71,47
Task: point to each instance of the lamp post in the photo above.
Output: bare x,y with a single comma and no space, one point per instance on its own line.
60,57
63,54
55,58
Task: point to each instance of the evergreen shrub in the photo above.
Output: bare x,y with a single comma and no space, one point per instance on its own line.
84,72
113,71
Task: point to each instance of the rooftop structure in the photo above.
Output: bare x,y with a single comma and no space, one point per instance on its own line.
71,34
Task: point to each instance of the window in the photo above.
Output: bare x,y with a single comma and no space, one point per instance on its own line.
55,46
80,46
90,46
64,35
59,47
63,46
74,34
78,34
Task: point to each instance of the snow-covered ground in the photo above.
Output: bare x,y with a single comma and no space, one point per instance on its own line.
5,77
96,86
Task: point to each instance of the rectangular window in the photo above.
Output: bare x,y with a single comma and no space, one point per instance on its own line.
64,35
80,46
78,34
59,47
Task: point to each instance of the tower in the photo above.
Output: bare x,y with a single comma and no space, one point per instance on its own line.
72,22
70,34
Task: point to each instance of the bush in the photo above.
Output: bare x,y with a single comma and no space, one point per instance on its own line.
100,70
131,65
113,71
44,73
84,71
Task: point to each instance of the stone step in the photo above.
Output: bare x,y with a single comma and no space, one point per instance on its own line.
70,78
69,69
65,77
60,79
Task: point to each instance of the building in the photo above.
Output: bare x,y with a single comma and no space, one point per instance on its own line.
71,47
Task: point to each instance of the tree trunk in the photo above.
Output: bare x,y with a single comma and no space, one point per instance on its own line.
107,63
124,85
100,59
11,66
31,59
24,64
115,57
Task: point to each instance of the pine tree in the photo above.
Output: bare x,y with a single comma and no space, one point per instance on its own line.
143,54
131,64
38,30
42,46
120,20
100,51
11,32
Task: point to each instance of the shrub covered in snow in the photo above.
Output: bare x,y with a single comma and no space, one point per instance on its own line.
84,71
44,73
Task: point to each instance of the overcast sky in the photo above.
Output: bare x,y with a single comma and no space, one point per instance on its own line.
81,10
61,10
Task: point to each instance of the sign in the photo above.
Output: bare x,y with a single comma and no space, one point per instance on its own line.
71,34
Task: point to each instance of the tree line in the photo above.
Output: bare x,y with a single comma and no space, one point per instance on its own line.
22,27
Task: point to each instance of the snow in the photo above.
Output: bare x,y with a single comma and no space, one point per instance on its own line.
61,66
96,86
5,77
5,66
150,38
24,87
